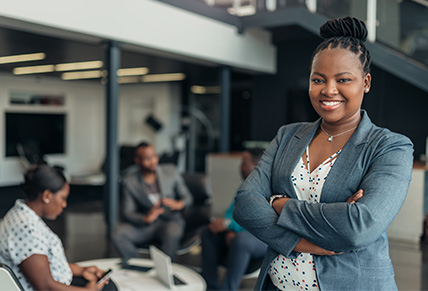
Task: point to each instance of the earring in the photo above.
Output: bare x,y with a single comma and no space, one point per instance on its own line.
47,200
366,90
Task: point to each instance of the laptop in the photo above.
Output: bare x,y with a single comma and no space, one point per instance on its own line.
163,268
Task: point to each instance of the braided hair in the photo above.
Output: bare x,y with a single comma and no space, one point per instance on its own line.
347,33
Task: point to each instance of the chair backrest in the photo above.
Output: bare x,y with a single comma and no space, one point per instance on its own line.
198,186
8,280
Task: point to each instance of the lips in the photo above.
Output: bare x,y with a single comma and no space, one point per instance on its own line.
330,105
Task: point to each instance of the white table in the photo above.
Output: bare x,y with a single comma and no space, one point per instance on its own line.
135,280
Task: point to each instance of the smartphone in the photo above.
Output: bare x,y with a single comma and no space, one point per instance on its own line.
106,275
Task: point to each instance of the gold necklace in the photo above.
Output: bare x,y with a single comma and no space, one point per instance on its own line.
330,137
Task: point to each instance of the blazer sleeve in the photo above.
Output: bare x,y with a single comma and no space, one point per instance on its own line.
129,207
182,192
253,212
344,227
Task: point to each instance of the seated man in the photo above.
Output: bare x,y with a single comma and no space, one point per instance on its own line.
153,198
224,235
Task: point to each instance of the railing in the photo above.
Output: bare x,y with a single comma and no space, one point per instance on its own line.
399,24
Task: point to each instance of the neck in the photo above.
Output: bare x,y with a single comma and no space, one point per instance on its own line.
149,176
35,206
338,128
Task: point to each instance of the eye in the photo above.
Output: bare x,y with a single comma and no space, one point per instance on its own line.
344,80
317,81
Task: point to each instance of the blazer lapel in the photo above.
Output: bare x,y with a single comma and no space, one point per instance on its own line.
334,186
139,193
289,157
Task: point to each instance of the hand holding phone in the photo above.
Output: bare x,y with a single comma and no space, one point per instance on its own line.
106,275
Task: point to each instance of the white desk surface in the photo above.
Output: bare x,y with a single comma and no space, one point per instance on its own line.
128,280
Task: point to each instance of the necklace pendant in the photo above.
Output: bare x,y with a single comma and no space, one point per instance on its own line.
330,138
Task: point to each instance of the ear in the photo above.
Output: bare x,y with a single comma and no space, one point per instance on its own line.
367,82
46,195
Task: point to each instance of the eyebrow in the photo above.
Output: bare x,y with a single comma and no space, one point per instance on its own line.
338,74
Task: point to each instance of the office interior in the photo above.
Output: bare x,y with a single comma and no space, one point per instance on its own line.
201,80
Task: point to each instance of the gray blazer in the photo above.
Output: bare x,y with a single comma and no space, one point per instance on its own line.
136,203
375,160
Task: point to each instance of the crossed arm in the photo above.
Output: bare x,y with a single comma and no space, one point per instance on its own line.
323,228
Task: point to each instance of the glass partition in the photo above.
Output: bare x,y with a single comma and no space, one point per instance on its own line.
403,25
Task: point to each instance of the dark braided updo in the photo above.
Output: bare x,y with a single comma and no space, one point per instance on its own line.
346,33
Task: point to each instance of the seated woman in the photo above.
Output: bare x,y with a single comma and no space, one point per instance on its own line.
29,246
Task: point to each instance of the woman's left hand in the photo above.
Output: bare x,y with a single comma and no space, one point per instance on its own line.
92,273
278,204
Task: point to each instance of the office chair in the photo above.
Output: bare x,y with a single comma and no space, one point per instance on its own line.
8,280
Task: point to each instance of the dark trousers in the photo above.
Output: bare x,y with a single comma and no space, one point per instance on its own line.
242,249
126,237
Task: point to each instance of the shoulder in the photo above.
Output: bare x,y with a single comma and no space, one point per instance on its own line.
299,129
167,169
294,127
383,139
131,177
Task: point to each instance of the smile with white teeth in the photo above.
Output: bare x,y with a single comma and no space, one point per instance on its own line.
330,103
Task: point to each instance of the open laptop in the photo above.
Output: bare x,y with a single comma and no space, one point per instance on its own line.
163,268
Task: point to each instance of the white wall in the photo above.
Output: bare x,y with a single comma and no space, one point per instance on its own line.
153,25
85,127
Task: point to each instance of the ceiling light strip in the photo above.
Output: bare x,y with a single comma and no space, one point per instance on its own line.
83,75
79,66
33,70
163,77
132,71
128,80
22,58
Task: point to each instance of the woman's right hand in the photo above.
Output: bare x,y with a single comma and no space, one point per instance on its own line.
305,246
354,198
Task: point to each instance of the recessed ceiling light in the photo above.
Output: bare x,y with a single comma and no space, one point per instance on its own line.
163,77
33,69
79,66
132,71
22,58
83,75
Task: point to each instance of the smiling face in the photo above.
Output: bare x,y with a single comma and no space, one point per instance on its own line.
337,86
57,202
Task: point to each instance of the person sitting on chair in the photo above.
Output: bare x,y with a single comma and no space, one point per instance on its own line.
224,235
153,200
30,248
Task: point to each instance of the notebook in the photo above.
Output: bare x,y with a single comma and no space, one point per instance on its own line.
163,268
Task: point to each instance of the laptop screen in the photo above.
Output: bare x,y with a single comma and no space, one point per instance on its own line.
163,268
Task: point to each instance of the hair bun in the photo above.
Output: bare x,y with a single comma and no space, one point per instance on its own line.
344,27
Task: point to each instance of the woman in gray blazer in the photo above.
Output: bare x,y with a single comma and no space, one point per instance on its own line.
324,193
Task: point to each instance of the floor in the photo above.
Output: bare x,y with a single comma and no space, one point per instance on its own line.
83,232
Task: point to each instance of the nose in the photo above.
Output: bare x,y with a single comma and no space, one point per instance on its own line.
330,89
